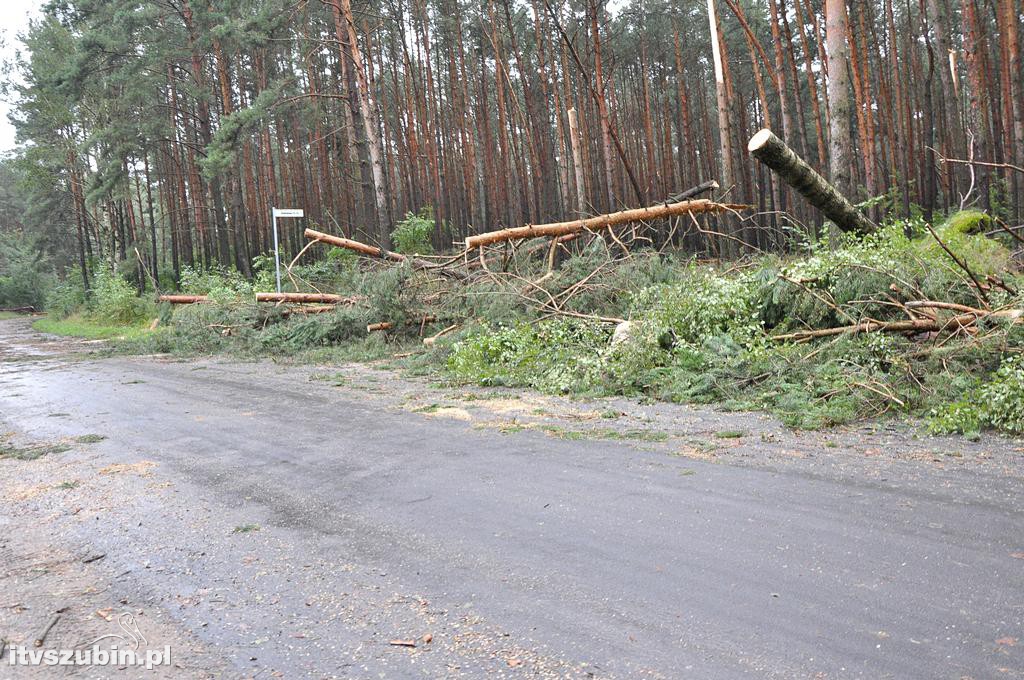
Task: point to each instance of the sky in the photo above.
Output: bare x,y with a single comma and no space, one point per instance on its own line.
14,16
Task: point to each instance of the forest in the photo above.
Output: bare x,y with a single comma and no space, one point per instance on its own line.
155,137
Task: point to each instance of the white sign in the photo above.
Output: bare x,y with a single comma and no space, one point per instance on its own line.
289,212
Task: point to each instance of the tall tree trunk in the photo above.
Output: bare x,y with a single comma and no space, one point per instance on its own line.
840,134
367,107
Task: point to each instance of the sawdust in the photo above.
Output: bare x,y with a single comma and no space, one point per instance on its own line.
452,412
143,468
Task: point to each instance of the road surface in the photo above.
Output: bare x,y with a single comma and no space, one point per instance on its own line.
285,521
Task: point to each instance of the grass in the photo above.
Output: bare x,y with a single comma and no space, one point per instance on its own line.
33,452
77,326
90,439
606,434
9,315
245,528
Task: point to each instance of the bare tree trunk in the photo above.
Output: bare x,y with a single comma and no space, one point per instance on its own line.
577,162
724,123
343,9
840,134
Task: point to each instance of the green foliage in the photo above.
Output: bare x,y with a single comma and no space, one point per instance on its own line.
557,356
221,285
997,404
412,234
65,298
222,151
114,299
24,276
702,335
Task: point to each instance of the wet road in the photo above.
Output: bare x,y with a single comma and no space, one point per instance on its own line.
518,554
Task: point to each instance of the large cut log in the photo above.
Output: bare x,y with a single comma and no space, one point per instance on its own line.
773,152
182,299
318,298
654,212
374,251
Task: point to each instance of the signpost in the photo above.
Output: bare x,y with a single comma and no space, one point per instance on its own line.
282,212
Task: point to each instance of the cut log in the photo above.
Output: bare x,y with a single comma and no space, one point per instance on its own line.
182,299
317,298
773,152
387,325
654,212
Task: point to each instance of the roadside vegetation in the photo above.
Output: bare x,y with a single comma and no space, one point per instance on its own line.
695,331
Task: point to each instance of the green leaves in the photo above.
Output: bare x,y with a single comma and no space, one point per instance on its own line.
221,153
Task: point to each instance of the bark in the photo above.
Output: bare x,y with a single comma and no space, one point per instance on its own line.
774,153
840,134
367,106
577,163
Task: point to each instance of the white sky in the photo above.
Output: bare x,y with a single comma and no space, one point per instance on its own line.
14,16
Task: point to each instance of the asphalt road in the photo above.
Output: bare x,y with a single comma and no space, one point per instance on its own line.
517,554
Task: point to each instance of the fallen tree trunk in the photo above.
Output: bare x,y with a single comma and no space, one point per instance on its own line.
654,212
20,310
182,299
356,246
909,325
374,251
301,297
773,152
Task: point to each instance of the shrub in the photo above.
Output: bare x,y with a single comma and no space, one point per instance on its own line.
562,355
65,298
114,299
221,285
997,404
412,234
